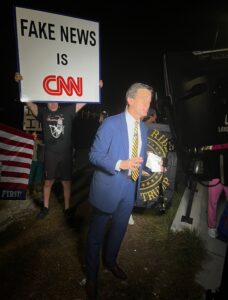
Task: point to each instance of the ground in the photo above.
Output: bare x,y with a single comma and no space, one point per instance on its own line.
44,259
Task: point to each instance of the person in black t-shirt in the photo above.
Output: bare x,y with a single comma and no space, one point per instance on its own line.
56,121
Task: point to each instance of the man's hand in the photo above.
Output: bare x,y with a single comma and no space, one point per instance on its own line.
18,77
131,164
32,106
101,83
145,173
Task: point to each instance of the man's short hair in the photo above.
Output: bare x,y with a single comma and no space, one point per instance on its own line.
133,89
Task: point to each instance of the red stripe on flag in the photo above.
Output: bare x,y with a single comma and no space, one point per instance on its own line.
15,131
12,186
11,138
15,164
15,153
15,143
14,174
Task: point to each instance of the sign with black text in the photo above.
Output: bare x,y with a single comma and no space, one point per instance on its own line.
58,57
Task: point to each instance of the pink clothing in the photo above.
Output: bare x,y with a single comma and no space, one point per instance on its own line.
213,198
220,147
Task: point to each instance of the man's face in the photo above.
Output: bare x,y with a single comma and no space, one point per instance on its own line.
53,106
139,105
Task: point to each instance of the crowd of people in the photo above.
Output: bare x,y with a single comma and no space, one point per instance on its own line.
116,162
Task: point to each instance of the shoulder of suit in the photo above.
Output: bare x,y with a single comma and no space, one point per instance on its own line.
114,118
143,125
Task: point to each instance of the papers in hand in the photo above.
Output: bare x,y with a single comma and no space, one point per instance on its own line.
154,162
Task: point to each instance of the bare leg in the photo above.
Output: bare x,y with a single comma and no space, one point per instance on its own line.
47,191
66,192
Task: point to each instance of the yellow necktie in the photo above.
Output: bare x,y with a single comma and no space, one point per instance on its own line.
134,153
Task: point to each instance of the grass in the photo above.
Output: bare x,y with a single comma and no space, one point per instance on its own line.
44,259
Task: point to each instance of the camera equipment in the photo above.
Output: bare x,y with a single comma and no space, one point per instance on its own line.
197,108
197,104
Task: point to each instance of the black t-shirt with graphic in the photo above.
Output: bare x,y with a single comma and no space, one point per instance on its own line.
57,127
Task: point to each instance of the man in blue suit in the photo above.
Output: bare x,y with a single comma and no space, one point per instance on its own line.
113,191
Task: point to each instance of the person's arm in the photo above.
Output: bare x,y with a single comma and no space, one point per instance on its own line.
32,106
79,106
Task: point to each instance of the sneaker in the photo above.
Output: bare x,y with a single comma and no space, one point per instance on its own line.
131,220
70,217
43,213
67,212
212,232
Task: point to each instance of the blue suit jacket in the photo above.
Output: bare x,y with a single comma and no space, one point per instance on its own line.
110,145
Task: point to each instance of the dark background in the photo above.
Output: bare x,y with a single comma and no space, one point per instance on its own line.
134,38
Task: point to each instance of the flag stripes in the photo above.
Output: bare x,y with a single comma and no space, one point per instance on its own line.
16,151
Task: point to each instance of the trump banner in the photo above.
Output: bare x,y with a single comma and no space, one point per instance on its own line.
154,183
16,151
58,57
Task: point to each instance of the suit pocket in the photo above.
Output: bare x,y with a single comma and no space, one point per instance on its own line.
101,178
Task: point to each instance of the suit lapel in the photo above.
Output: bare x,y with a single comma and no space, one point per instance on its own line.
144,139
124,134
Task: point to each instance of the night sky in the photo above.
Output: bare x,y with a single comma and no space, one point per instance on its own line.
134,38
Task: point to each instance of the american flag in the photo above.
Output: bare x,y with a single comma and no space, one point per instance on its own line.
16,151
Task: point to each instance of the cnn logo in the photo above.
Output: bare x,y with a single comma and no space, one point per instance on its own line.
56,85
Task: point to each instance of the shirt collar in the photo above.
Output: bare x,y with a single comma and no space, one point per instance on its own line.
130,118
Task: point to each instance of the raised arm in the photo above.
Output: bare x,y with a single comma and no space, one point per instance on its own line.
32,106
79,106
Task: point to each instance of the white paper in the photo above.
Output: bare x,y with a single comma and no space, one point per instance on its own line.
154,162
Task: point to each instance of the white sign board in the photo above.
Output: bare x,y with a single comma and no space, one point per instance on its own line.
58,57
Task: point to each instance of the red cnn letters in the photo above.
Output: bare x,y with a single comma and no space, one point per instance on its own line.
59,85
